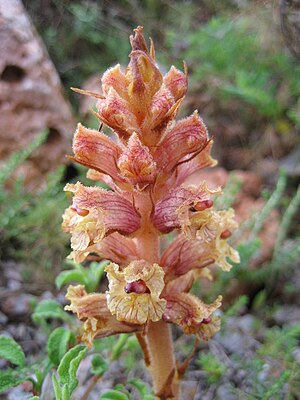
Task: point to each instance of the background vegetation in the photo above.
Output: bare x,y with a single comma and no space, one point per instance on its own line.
244,77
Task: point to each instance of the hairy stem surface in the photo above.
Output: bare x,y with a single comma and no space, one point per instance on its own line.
158,337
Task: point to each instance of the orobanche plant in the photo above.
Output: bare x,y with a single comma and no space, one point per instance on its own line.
146,166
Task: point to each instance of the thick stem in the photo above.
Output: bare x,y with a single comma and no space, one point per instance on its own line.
162,360
158,337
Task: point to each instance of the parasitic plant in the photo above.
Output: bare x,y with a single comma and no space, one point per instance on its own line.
146,168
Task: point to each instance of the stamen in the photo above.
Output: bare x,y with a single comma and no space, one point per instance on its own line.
80,211
138,287
203,205
226,234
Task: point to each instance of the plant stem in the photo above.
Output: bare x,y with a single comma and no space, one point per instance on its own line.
158,337
162,361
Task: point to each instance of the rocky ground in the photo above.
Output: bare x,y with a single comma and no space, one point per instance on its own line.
238,363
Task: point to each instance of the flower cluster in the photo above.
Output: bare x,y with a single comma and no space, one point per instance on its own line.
146,165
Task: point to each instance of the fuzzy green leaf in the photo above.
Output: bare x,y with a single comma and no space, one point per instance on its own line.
70,276
57,344
57,388
9,378
49,309
141,388
68,367
11,351
114,395
99,365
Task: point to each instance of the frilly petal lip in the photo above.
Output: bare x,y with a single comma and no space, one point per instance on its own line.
119,214
115,248
89,146
92,308
135,306
188,311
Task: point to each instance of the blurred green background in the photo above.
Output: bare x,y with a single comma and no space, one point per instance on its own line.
244,78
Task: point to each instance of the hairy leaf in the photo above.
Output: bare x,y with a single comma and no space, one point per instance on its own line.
68,367
11,351
99,365
49,309
9,378
58,343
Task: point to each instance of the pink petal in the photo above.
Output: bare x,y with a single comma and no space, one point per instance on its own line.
116,248
115,112
183,255
170,212
96,151
186,137
119,213
177,82
191,164
136,163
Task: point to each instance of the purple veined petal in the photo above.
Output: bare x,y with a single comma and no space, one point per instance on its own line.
116,248
173,210
95,150
92,308
119,214
188,136
115,112
190,164
183,255
136,163
177,82
188,311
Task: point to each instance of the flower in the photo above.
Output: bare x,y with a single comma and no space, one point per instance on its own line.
98,320
134,293
146,163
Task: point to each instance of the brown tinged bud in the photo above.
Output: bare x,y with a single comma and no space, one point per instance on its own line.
176,81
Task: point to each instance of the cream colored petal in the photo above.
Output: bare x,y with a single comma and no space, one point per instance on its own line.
134,306
92,308
207,331
80,240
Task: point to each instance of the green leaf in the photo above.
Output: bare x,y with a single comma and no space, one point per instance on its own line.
9,378
70,276
58,343
96,272
11,351
142,388
114,395
49,309
68,367
57,388
34,398
99,365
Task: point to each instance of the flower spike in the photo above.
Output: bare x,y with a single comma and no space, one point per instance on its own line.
147,164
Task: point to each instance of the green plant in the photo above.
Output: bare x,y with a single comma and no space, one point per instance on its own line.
30,221
230,56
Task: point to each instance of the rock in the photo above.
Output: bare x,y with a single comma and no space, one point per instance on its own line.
287,314
31,98
226,392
